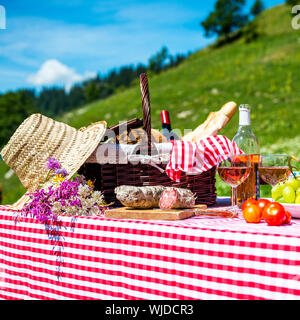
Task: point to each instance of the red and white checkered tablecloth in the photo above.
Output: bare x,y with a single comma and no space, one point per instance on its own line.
196,258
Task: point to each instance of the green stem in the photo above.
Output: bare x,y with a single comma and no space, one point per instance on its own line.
291,167
42,183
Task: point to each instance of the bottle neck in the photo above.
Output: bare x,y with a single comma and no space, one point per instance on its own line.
165,120
244,117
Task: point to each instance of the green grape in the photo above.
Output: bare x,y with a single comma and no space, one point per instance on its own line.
277,191
297,201
280,200
288,194
294,183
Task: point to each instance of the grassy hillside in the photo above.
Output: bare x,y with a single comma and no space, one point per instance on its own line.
264,73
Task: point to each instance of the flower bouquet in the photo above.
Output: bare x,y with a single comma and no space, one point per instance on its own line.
63,197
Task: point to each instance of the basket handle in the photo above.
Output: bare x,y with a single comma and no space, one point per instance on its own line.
146,108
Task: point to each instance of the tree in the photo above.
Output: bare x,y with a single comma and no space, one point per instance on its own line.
91,91
257,8
15,107
292,2
227,17
176,60
140,69
52,101
76,97
157,62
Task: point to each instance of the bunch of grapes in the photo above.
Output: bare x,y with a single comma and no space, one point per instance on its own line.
287,192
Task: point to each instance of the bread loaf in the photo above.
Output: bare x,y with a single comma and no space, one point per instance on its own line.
213,124
139,136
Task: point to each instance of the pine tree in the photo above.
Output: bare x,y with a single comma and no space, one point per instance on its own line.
226,18
157,62
257,8
292,2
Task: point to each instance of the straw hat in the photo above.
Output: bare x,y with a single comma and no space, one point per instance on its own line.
39,138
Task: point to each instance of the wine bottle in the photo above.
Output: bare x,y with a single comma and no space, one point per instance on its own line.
166,126
248,143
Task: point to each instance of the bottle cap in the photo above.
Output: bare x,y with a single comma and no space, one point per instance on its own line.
244,115
165,118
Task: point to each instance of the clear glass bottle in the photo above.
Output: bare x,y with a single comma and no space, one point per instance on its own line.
248,143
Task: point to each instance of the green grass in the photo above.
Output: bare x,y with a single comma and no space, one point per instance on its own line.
264,73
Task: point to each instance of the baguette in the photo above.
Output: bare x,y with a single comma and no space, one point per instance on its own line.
213,124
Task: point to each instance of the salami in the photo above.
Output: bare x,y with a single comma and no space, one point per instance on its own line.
177,198
155,197
139,197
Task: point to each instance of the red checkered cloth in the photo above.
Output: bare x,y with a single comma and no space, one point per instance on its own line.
196,258
195,158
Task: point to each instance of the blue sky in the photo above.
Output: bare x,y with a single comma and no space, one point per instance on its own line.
59,42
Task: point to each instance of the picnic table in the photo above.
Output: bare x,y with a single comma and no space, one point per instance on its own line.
100,258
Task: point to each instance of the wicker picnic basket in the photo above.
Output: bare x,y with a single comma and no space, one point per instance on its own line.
108,176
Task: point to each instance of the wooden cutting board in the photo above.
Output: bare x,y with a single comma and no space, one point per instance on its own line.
151,214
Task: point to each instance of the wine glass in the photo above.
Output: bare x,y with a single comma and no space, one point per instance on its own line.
274,169
234,170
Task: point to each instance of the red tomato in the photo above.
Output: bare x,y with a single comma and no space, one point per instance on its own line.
248,203
274,214
262,203
288,217
252,214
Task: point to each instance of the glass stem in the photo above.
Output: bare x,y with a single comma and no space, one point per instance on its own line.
234,197
234,204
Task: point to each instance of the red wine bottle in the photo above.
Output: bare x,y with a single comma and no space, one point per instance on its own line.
166,126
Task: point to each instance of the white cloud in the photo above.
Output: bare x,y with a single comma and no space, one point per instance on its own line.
54,72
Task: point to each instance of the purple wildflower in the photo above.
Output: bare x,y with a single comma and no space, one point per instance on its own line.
39,207
66,196
63,202
76,202
62,171
53,164
67,190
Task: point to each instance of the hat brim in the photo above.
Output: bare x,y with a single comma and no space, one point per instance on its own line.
90,137
95,133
